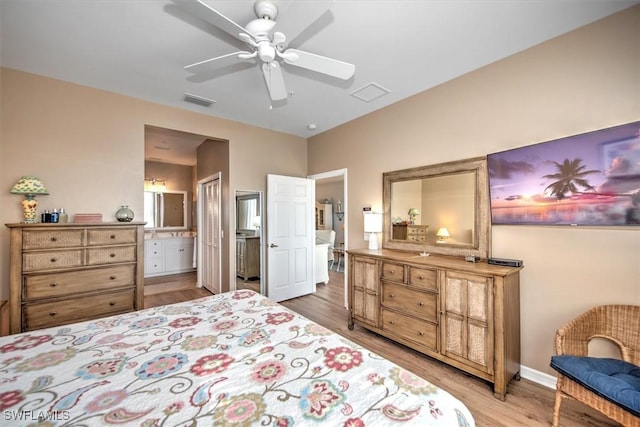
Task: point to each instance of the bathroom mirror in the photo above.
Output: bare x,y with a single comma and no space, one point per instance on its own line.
165,210
440,208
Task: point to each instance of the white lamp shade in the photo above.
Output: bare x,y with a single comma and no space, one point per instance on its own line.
373,222
443,232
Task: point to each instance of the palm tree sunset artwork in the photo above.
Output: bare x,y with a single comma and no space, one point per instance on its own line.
587,179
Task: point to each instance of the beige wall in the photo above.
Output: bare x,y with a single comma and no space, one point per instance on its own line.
585,80
87,146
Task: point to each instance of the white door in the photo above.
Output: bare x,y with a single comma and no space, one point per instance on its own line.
209,261
290,237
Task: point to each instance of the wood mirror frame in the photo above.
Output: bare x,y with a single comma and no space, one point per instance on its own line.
479,245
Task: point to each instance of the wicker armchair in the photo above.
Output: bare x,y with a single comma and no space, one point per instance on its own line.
621,325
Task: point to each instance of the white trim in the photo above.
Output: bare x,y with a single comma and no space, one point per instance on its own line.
345,219
538,377
216,176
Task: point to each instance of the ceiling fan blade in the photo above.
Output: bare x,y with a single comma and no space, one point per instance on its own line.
275,80
299,16
217,62
207,13
321,64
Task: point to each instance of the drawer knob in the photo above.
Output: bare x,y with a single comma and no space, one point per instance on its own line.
54,259
52,313
54,239
113,236
112,277
392,271
53,285
391,295
391,322
421,333
112,255
421,277
421,304
111,303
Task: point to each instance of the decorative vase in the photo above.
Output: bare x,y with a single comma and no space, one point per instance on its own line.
124,214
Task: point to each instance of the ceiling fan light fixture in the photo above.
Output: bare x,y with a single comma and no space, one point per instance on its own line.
266,52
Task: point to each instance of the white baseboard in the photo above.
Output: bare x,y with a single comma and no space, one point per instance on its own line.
538,377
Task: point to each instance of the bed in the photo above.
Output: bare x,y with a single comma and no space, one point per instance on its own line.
234,359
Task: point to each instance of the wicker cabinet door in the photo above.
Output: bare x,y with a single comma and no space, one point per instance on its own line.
365,285
467,327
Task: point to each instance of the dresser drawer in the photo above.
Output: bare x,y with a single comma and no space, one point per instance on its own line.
393,272
37,261
73,282
410,328
47,239
111,236
49,314
423,278
97,256
420,304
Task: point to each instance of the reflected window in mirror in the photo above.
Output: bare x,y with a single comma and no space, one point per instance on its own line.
419,202
165,210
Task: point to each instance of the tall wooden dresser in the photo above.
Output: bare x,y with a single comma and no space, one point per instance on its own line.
462,313
65,273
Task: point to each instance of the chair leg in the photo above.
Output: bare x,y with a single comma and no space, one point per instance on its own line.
556,409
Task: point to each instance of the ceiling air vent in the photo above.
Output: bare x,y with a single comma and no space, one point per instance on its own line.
198,100
369,92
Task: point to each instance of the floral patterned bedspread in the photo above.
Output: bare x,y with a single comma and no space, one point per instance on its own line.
234,359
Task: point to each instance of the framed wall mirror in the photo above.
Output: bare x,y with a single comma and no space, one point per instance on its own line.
442,208
165,210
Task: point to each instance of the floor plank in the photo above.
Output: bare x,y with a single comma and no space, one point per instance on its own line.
527,404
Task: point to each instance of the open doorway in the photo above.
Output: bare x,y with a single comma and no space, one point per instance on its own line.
332,205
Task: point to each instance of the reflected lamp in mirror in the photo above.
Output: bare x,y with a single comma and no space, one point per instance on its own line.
256,222
413,213
29,186
373,225
443,235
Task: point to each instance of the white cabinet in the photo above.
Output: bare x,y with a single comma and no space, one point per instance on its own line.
324,216
170,255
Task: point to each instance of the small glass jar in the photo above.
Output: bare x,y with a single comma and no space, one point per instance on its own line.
124,214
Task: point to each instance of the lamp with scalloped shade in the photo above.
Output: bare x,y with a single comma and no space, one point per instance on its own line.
30,186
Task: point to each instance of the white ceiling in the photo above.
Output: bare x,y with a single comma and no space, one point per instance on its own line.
140,47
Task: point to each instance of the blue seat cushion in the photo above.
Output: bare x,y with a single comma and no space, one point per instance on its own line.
615,380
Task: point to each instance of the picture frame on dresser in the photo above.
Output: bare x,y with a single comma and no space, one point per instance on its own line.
71,272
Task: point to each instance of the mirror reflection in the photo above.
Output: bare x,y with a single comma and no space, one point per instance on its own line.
439,209
165,209
249,258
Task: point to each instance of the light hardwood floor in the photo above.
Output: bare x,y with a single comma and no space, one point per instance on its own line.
527,404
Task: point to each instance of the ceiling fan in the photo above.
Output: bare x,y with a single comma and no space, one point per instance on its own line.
267,45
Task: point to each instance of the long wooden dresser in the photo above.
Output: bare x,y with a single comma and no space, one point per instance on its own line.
65,273
462,313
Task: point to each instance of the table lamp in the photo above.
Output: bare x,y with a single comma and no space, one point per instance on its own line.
30,186
373,225
443,235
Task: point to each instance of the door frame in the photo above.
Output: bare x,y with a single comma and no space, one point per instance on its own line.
261,199
200,208
345,207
